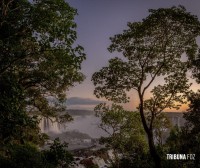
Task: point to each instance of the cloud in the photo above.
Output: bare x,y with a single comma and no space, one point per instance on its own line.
82,101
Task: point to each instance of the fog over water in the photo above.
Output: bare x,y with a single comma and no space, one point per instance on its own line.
85,121
87,124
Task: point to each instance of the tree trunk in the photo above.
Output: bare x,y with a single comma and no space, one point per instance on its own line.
153,152
149,132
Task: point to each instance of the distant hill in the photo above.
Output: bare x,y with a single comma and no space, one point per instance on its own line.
77,112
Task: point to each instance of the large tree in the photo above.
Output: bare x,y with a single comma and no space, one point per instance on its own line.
152,49
37,46
39,62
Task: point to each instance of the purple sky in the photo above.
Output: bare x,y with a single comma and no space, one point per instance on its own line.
100,19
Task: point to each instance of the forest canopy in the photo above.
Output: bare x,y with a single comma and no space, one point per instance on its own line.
39,62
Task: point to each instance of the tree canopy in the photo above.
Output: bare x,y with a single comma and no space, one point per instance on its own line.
37,44
125,132
152,49
39,61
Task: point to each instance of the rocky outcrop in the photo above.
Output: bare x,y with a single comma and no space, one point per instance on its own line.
92,159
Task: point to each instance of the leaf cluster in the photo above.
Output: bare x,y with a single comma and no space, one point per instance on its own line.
152,48
37,47
124,128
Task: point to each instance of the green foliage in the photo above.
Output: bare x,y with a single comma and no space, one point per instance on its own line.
193,116
187,139
28,156
180,141
22,156
123,127
17,126
174,140
57,155
38,48
126,135
39,62
193,126
152,49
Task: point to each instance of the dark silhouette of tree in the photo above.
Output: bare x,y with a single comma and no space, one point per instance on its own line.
37,47
152,49
191,131
192,136
39,62
187,138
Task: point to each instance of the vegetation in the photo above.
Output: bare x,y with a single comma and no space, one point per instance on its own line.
29,156
152,49
125,132
123,127
39,53
39,62
186,139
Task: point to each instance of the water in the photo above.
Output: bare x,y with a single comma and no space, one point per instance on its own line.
87,124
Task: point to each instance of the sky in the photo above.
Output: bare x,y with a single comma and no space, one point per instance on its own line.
97,21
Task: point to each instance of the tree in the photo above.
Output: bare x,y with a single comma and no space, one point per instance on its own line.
192,126
57,155
39,62
152,49
29,156
16,125
187,138
193,113
175,143
126,135
37,48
